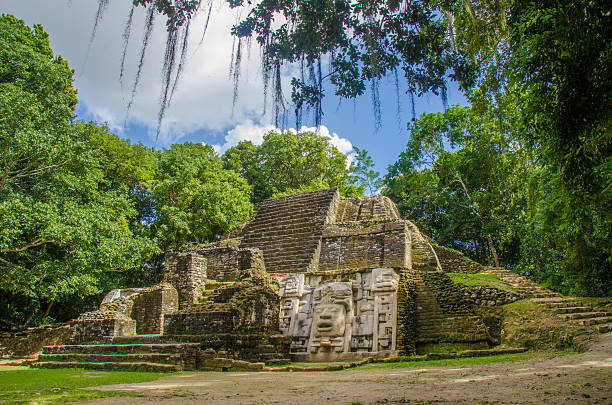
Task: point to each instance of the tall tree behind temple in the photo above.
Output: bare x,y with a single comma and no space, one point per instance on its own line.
60,228
288,163
197,200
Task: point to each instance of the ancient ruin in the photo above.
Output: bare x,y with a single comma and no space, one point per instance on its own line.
312,277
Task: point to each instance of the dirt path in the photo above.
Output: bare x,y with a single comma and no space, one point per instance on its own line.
571,379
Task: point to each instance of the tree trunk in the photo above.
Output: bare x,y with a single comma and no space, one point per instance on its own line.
48,309
475,211
493,250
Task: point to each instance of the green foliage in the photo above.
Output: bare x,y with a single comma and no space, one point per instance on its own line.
480,279
460,180
197,200
363,171
58,386
288,163
466,361
61,226
364,40
563,57
534,326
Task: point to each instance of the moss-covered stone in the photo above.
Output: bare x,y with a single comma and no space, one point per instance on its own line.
448,294
406,325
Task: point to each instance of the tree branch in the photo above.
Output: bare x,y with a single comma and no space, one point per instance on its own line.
37,242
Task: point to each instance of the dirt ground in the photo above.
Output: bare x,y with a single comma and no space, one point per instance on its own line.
570,379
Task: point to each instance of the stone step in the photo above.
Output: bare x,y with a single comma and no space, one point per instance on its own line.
604,328
139,366
302,248
296,200
284,240
572,309
586,315
277,362
595,321
121,348
138,339
557,300
284,263
290,224
543,295
162,358
269,356
562,305
289,213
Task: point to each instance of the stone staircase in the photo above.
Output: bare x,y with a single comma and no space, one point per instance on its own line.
121,357
288,230
567,308
525,287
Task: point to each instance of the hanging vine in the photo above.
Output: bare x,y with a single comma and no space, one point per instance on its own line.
149,21
364,40
102,6
127,32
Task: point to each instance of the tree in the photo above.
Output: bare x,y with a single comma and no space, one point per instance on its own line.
461,178
363,41
197,200
289,162
60,228
363,171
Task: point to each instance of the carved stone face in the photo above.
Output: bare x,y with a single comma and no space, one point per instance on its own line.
332,302
385,280
329,320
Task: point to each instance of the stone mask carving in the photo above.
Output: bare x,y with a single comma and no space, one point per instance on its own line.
333,304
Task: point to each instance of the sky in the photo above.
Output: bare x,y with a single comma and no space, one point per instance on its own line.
202,108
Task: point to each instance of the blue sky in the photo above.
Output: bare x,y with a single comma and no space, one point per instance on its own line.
202,107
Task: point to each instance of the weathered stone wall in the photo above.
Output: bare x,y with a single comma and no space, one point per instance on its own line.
100,326
187,273
423,255
488,296
363,245
151,306
453,261
29,342
443,315
232,263
375,208
241,308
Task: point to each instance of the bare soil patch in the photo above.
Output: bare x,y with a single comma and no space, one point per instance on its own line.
584,378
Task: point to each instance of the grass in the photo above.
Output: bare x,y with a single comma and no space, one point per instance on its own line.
597,302
536,327
50,386
466,361
481,279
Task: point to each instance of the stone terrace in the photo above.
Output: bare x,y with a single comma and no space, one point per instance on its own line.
288,230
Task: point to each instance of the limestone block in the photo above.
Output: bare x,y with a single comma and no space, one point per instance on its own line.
151,306
187,273
98,325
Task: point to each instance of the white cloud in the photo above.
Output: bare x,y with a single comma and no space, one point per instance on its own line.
342,144
204,97
249,131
